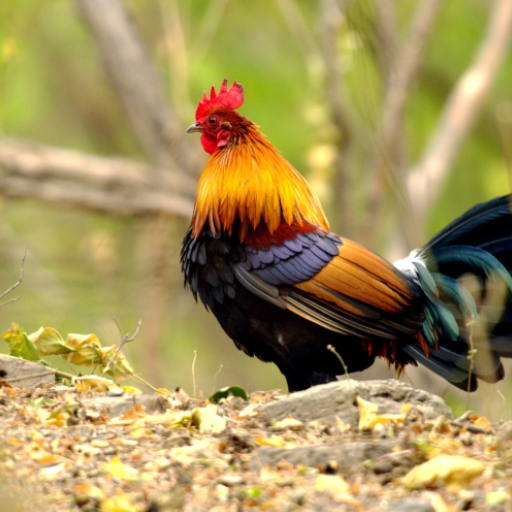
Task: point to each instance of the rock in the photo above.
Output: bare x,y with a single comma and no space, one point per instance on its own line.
338,399
231,480
118,405
22,373
505,432
344,455
409,504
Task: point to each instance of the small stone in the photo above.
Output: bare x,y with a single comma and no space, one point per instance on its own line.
410,504
115,392
231,480
383,466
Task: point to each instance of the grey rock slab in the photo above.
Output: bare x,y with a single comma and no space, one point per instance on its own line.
338,399
118,405
21,373
344,455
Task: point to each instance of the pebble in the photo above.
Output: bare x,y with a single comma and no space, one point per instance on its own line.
409,505
231,480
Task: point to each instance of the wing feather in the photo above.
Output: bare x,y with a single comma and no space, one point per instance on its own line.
339,285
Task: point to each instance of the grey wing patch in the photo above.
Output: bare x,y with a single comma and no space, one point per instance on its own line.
259,287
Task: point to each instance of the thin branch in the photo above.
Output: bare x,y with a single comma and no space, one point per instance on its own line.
466,100
137,84
124,340
47,371
16,284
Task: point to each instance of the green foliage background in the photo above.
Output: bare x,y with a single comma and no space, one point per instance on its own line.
83,269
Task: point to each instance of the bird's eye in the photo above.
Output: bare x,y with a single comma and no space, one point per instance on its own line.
212,120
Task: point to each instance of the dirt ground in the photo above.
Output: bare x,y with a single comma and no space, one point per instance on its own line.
60,451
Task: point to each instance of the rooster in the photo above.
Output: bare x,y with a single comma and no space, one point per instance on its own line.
260,256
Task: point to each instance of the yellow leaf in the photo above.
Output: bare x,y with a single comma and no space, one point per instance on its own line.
89,490
331,483
368,417
276,441
20,344
120,367
49,342
119,503
130,390
45,458
121,471
206,419
86,348
444,469
93,383
140,432
287,423
484,423
493,499
134,413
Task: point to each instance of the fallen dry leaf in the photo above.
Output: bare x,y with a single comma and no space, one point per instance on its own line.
119,503
276,441
483,422
206,419
369,419
89,490
117,469
444,469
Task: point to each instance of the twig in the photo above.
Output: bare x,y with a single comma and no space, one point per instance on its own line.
330,348
15,285
215,378
124,340
194,372
43,374
463,417
429,176
460,422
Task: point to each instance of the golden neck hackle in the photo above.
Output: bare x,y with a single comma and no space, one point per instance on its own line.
250,181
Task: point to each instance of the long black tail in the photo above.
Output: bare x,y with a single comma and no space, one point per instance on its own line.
468,285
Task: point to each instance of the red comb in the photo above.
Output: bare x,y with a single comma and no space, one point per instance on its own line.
229,99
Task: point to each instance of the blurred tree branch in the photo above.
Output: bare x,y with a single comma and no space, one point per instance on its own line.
401,63
427,178
137,85
332,20
107,185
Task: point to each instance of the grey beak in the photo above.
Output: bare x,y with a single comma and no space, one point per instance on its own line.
196,127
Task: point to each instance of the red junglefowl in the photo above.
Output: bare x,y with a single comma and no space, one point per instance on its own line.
260,256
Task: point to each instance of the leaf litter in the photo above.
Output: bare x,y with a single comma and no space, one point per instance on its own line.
60,449
199,456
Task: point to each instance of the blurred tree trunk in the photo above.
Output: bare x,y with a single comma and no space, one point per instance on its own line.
155,124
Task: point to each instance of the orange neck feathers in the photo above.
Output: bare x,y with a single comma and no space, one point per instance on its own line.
250,182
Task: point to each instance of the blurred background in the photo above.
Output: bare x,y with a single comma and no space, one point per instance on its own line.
398,112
